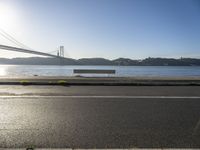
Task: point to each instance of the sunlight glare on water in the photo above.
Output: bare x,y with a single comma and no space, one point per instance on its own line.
121,71
2,71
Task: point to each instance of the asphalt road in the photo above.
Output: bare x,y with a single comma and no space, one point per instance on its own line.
99,117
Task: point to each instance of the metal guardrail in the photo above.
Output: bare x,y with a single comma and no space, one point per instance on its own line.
93,71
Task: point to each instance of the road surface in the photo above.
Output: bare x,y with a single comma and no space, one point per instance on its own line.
100,116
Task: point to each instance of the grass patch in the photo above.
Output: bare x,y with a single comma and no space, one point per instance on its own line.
62,82
24,82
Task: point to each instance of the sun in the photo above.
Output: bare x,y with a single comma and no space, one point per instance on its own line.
8,16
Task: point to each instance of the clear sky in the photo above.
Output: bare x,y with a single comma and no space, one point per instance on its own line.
104,28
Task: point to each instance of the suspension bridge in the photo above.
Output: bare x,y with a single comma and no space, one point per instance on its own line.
25,49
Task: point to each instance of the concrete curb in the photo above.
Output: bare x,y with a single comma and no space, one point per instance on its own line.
101,149
101,81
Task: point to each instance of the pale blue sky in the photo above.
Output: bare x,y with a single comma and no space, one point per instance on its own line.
104,28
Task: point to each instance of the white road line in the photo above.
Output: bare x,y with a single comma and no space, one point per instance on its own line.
100,96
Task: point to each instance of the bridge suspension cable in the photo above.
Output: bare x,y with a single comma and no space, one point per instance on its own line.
25,49
13,40
52,52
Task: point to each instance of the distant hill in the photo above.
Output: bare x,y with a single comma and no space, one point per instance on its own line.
170,62
126,62
95,61
38,61
101,61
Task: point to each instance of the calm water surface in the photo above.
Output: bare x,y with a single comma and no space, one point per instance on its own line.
128,71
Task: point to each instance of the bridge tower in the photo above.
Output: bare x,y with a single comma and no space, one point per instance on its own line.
62,54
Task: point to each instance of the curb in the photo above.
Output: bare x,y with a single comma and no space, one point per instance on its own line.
99,149
53,83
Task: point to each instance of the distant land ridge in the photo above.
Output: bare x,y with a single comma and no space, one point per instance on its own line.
101,61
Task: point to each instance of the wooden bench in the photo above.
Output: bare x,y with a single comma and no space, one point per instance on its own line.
93,71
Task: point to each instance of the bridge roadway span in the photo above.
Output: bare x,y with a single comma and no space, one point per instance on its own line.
100,116
10,48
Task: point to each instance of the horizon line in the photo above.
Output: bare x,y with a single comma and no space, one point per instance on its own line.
106,58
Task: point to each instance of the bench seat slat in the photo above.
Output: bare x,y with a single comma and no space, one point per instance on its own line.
94,71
